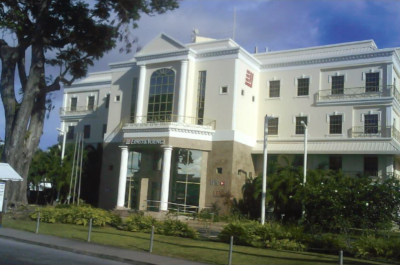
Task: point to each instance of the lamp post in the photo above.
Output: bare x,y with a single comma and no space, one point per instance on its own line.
264,179
63,145
305,163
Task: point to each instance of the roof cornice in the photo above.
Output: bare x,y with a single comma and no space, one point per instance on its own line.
329,60
89,84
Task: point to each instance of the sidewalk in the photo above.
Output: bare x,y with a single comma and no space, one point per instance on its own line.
92,249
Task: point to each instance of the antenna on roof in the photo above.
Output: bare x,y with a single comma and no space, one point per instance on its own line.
195,32
234,23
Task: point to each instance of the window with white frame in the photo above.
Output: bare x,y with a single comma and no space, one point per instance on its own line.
70,133
273,126
223,90
335,124
338,85
274,89
74,103
90,105
303,86
86,131
371,123
372,82
299,127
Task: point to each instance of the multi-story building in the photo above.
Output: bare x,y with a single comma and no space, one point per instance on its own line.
184,124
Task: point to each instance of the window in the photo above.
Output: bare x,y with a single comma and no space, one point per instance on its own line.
117,98
274,89
337,85
86,131
219,170
104,129
273,126
335,163
90,103
223,90
372,82
161,96
253,98
201,96
299,127
70,133
134,97
107,101
335,124
303,85
371,124
74,102
242,92
157,160
371,165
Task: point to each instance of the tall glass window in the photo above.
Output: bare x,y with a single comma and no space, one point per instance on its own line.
186,177
337,85
372,82
299,127
161,96
134,97
274,89
273,126
201,92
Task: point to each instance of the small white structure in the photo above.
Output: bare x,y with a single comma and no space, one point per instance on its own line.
8,173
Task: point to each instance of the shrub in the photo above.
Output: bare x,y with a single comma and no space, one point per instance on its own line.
47,214
374,247
139,223
326,242
176,228
285,244
243,233
74,215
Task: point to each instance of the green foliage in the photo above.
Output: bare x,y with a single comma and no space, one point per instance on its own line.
138,223
375,247
326,242
75,215
169,227
270,235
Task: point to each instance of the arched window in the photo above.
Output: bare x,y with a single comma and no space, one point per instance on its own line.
161,96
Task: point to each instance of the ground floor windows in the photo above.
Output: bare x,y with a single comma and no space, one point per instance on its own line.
335,163
86,131
371,165
70,133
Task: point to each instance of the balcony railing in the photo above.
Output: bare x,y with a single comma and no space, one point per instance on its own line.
371,131
170,119
78,110
358,92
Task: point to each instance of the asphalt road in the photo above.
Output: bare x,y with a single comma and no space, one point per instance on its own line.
17,253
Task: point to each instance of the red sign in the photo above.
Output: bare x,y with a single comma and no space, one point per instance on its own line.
249,79
222,183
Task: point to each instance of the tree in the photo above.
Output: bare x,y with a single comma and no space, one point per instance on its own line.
69,34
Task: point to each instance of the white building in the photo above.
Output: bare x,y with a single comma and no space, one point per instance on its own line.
183,123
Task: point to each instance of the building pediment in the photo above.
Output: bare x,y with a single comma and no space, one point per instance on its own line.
161,44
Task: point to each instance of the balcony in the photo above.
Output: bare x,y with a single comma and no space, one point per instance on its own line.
371,131
170,120
358,93
78,110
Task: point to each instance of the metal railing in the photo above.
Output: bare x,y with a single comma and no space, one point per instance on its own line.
371,131
78,110
395,134
358,92
171,119
152,205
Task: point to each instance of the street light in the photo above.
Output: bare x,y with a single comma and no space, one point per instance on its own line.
63,145
264,179
305,162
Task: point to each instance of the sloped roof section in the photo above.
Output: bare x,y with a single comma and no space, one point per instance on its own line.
8,173
162,43
332,147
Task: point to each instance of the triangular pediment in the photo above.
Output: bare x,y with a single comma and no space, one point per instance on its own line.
162,43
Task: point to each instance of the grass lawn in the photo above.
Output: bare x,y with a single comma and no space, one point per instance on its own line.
196,250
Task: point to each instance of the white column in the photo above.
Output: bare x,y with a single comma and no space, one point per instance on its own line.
140,97
389,121
182,89
165,177
389,165
123,171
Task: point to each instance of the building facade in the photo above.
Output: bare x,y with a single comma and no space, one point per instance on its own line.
183,124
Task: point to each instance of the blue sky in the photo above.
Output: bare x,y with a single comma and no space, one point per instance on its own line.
278,25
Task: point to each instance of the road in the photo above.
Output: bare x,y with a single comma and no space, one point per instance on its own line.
17,253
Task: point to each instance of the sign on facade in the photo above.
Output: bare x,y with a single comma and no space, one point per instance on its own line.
144,141
2,189
249,79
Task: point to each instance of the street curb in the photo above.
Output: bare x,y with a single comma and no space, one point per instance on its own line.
86,253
